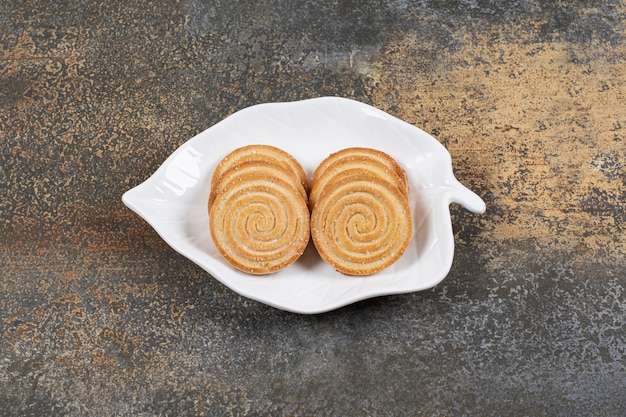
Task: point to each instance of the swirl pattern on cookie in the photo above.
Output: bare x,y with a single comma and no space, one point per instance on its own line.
361,220
258,216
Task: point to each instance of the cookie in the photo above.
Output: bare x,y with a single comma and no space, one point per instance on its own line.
258,214
361,221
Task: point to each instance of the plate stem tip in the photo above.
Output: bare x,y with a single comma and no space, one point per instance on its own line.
468,199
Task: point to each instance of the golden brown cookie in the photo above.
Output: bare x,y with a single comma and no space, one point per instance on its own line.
258,214
361,220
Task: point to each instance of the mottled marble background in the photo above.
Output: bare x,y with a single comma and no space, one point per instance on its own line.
98,316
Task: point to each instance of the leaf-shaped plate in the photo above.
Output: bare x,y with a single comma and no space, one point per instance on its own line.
174,199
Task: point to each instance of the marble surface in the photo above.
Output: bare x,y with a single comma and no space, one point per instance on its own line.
98,316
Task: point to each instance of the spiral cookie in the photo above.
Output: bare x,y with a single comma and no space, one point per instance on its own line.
258,214
361,220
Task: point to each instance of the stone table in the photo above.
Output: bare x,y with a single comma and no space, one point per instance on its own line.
100,317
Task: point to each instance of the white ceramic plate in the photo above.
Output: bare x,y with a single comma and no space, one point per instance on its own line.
174,199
